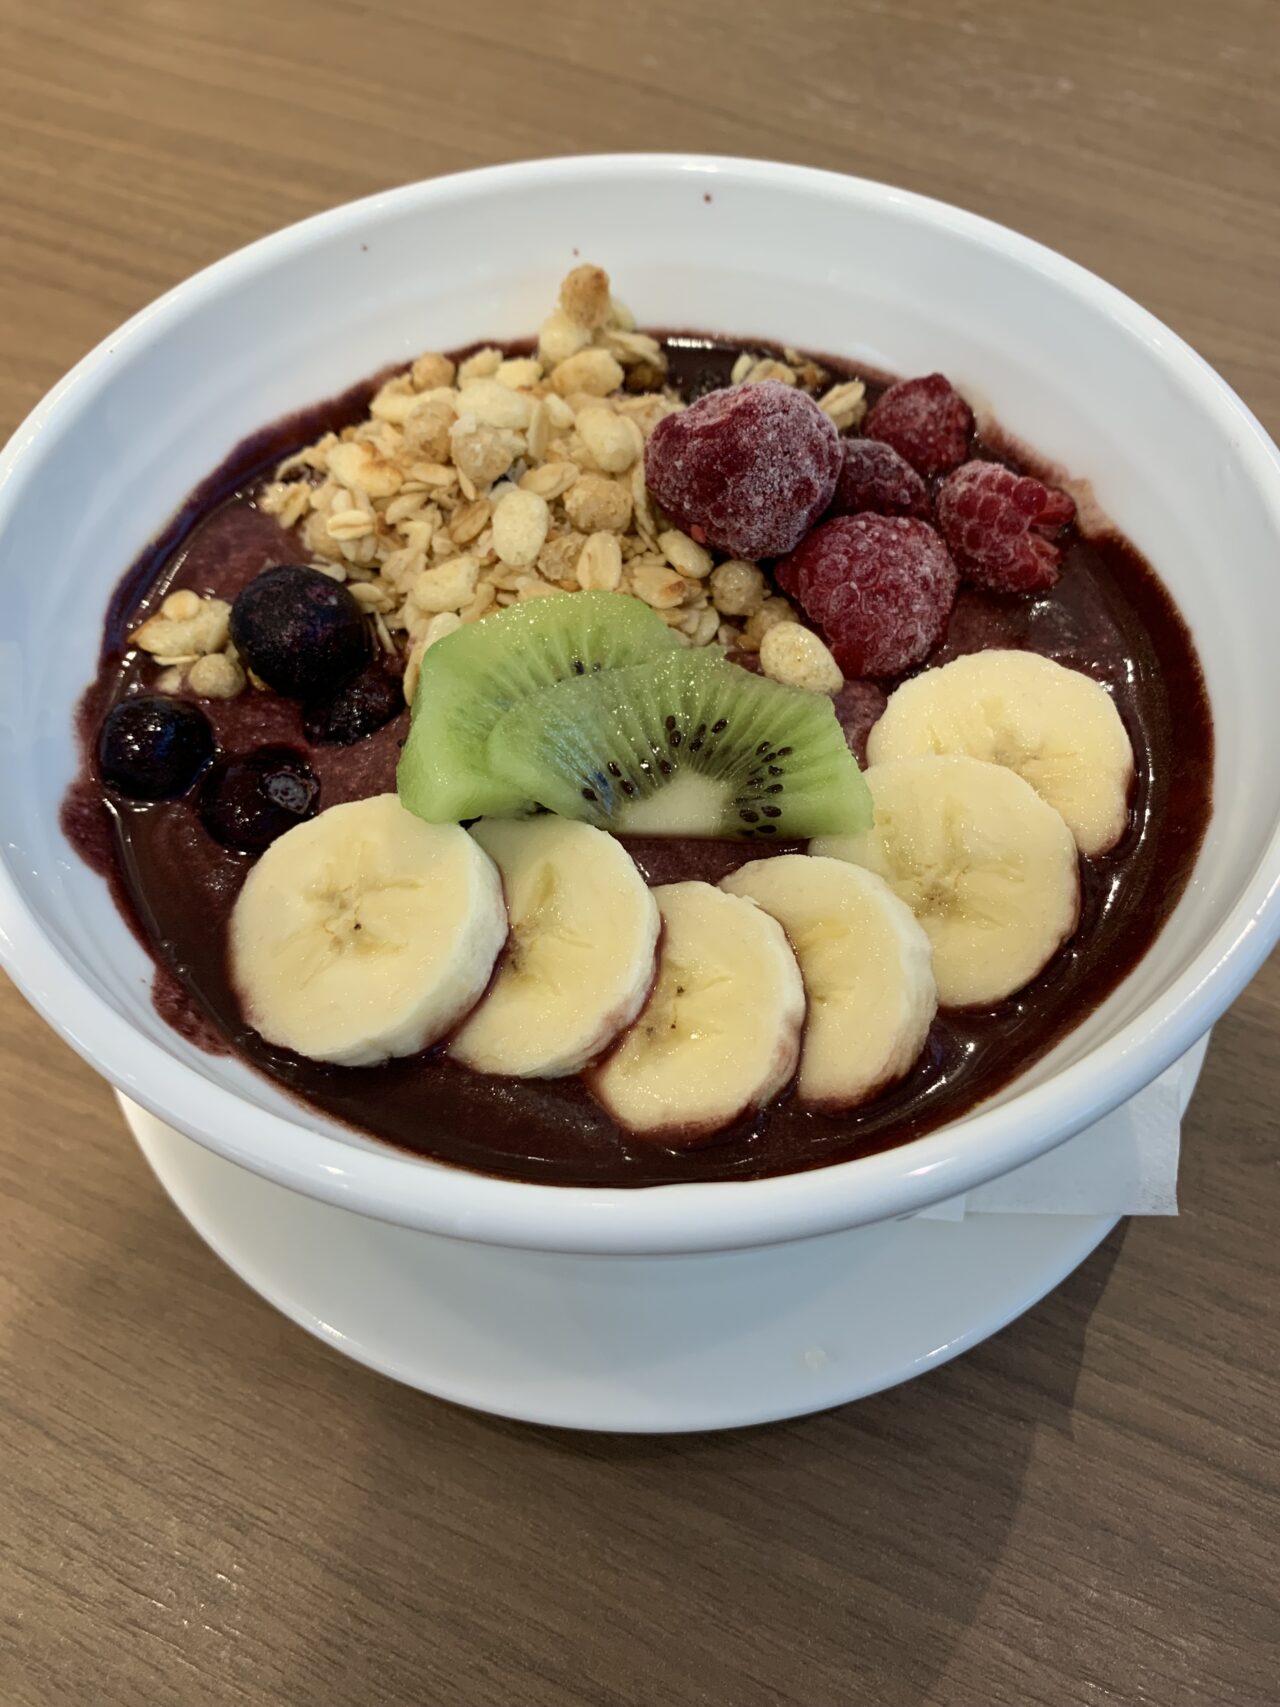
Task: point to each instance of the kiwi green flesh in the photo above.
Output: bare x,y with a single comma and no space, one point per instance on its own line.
684,744
476,674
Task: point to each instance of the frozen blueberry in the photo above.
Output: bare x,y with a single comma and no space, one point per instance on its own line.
358,709
152,747
301,632
246,802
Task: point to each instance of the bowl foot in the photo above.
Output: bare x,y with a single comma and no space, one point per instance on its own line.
626,1344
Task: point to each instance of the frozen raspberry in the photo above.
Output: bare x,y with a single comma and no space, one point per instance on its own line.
874,477
997,524
925,420
882,588
752,467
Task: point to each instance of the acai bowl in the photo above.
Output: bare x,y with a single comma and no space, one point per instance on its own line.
770,260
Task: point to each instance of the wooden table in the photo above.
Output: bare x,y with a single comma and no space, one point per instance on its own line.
198,1504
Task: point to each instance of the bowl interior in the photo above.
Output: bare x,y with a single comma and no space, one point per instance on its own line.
830,264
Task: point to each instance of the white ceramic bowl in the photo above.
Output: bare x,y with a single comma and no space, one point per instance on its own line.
741,247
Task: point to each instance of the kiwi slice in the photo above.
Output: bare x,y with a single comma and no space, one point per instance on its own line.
685,744
474,675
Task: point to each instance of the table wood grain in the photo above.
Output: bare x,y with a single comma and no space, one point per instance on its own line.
198,1504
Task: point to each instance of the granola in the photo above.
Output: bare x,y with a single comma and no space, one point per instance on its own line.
475,485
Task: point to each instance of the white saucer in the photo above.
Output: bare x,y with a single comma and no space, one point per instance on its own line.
626,1344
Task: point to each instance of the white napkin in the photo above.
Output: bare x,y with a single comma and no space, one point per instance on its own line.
1127,1164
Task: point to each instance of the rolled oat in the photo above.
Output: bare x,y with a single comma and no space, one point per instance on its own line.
559,337
600,563
482,365
685,554
495,405
520,523
171,640
594,372
216,676
521,373
550,480
659,586
845,403
447,588
613,442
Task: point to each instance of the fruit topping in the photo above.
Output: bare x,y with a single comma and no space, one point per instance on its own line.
925,420
720,1035
751,467
366,933
300,631
580,958
471,677
867,968
359,708
881,587
874,477
1057,728
988,869
246,803
998,525
152,747
684,744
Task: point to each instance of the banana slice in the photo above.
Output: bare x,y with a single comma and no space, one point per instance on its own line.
1057,728
867,968
988,868
720,1034
581,956
366,933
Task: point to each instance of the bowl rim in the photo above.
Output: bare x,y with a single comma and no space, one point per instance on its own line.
389,1185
